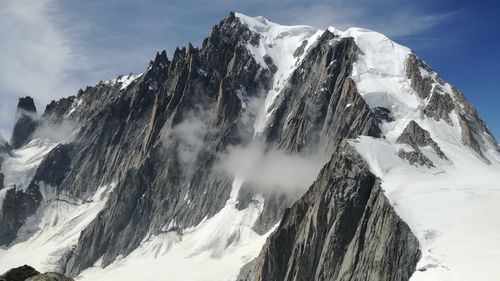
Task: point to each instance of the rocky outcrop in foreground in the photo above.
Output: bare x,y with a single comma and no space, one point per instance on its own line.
28,273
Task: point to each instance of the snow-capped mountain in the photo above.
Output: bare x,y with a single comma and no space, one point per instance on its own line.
269,153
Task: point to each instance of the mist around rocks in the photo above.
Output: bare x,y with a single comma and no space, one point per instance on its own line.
271,169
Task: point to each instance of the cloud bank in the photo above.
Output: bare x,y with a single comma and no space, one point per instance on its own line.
271,170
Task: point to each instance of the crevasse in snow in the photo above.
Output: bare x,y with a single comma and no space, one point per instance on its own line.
53,230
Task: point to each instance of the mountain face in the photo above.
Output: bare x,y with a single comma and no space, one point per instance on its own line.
269,153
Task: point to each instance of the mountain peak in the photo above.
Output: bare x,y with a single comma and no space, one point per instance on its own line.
26,122
26,104
260,24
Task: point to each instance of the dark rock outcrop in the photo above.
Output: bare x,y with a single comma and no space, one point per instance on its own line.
17,206
420,82
318,96
2,177
26,122
383,114
416,137
415,157
19,273
343,228
28,273
5,151
440,106
56,109
475,133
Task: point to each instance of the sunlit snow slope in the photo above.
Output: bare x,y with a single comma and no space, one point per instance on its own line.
56,226
453,208
280,43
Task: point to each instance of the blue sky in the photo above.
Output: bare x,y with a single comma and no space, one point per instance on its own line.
51,48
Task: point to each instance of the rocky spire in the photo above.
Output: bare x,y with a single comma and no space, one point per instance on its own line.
26,104
26,122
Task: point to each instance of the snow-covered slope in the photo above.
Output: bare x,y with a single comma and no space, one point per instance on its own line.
50,234
286,46
20,168
216,249
452,207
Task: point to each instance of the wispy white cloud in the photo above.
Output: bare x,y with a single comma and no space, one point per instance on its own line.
44,54
36,54
271,169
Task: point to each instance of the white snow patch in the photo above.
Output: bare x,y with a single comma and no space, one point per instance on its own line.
279,42
380,76
124,80
21,167
52,231
76,103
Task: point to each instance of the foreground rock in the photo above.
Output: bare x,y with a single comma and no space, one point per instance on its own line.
28,273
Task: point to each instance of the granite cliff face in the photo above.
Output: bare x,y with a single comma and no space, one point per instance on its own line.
141,157
343,228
